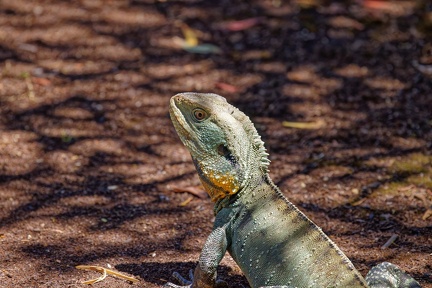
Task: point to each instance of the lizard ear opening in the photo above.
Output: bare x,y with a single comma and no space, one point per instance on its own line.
223,150
226,153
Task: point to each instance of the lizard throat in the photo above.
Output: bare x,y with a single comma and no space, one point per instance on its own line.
218,186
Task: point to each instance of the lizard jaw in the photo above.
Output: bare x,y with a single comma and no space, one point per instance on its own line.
179,121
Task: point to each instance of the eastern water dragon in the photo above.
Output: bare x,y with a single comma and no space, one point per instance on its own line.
271,240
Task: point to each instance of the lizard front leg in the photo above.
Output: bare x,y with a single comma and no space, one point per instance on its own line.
205,273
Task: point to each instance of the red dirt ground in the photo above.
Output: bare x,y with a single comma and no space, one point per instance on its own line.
89,158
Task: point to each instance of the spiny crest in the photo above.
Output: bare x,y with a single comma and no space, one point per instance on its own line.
254,137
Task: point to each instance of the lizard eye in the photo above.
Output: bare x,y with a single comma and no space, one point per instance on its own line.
199,114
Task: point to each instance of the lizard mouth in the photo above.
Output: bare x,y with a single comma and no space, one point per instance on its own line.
179,121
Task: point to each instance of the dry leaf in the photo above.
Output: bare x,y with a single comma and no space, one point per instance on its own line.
194,190
395,8
41,81
309,3
191,39
304,125
227,87
345,22
203,49
239,25
190,42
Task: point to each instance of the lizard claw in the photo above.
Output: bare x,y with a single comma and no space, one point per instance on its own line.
172,285
184,283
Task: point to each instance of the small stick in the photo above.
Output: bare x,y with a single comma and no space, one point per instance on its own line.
389,241
101,278
30,89
104,272
196,191
184,203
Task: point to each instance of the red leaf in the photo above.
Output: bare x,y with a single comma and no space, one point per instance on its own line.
227,87
41,81
239,25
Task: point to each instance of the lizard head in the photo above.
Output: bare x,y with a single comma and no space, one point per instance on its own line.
225,146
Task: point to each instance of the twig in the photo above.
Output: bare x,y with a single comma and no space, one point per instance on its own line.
427,214
196,191
184,203
389,241
30,89
104,272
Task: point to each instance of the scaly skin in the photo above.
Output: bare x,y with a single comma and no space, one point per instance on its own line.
273,242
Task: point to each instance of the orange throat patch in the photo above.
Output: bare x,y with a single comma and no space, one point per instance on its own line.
219,186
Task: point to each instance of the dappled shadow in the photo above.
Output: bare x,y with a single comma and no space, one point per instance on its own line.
152,271
88,156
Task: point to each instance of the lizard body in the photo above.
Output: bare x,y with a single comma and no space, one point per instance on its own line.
272,241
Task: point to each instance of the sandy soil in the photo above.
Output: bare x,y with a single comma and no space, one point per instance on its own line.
89,160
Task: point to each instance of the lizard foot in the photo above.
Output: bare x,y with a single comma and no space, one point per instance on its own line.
184,283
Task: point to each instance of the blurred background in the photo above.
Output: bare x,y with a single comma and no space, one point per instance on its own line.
92,172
